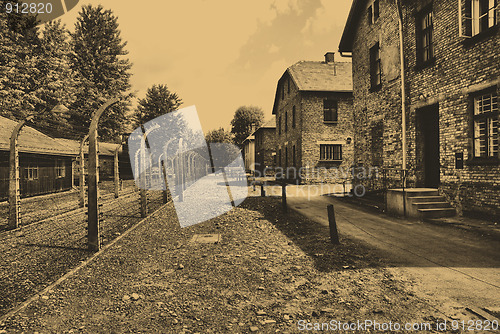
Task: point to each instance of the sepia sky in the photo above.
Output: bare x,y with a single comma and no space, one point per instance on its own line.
221,54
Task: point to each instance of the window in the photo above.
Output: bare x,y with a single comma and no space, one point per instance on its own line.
279,125
425,38
279,157
293,155
286,156
288,84
486,126
373,12
286,121
293,117
31,173
478,16
60,169
375,67
329,111
283,91
330,152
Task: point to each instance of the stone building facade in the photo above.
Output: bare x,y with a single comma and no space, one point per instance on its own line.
314,125
265,148
452,71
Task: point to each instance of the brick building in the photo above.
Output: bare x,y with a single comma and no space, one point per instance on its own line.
265,147
313,108
249,153
452,70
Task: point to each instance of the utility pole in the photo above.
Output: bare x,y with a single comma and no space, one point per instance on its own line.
93,205
14,191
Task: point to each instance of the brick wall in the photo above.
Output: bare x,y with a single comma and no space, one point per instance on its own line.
310,130
265,146
462,67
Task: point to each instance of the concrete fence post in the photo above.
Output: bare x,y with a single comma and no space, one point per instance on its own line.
14,190
93,188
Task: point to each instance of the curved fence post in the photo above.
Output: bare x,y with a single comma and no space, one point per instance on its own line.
93,196
82,171
14,191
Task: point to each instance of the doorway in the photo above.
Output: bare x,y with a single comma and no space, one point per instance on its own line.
428,145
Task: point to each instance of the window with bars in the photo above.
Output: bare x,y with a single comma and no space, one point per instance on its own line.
375,67
330,152
477,16
60,169
330,111
425,36
486,126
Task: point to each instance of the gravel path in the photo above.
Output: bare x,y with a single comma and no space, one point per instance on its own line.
38,254
269,271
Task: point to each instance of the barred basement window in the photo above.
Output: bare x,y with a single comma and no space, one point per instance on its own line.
486,126
425,38
60,169
330,111
330,152
477,16
375,67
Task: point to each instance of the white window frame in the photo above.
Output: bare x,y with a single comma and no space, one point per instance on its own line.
475,19
486,119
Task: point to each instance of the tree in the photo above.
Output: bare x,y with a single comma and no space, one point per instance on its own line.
158,101
56,83
219,136
18,74
245,119
104,72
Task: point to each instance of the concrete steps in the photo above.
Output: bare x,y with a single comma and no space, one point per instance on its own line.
419,203
428,204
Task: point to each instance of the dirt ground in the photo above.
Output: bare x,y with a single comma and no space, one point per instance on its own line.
270,272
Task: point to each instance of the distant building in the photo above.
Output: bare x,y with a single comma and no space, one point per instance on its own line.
265,147
106,158
314,125
249,153
45,165
452,70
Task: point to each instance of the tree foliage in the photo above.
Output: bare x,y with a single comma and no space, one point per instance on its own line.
104,71
158,101
245,118
219,136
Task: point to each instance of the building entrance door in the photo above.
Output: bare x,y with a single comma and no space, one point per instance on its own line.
428,140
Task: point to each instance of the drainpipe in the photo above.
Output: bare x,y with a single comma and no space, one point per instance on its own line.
403,99
403,89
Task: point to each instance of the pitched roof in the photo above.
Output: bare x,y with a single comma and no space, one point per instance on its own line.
30,140
321,76
271,123
318,76
347,38
104,148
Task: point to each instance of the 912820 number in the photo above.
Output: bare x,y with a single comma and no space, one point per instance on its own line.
28,8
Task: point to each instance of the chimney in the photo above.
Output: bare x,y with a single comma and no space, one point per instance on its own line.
330,57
